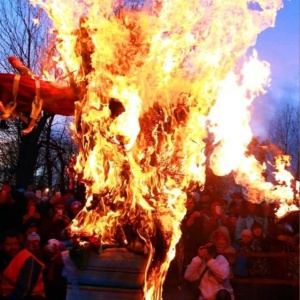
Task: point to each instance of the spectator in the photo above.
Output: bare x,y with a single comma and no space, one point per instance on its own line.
248,214
30,226
31,207
55,282
211,270
259,240
211,191
10,211
235,199
204,205
231,224
204,209
269,210
215,218
191,228
260,266
74,208
21,272
240,268
281,238
243,245
54,222
221,238
43,204
294,266
33,244
281,241
5,195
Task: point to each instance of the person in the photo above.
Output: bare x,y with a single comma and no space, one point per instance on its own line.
74,208
21,271
231,224
221,238
259,266
30,226
240,267
54,222
11,208
55,281
33,244
248,214
294,266
5,193
281,241
212,271
31,210
191,228
215,218
243,245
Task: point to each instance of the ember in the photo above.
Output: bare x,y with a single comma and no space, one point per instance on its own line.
153,84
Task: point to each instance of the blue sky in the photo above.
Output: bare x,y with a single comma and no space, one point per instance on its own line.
280,47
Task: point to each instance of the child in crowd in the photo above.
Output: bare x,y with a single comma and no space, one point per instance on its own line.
243,245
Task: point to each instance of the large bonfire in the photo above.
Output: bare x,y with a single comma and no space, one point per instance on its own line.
156,83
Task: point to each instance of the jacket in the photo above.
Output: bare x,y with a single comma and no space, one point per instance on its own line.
12,284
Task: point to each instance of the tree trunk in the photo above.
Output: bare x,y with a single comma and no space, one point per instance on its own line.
28,154
26,160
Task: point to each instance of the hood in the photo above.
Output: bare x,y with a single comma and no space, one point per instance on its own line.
221,230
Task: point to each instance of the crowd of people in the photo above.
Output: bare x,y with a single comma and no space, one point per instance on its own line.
234,226
32,225
33,234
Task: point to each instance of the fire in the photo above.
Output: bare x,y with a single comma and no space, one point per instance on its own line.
230,116
155,85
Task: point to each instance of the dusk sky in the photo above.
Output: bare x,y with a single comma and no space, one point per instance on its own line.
280,47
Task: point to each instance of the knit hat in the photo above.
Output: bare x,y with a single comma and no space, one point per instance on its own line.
246,232
33,237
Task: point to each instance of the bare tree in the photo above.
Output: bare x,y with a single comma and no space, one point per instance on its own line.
23,32
41,157
284,132
55,151
9,150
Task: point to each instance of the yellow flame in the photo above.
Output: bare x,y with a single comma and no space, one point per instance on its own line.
182,86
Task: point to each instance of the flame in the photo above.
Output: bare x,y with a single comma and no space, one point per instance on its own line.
36,21
163,92
229,118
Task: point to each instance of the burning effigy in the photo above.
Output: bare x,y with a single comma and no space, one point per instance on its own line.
56,99
154,83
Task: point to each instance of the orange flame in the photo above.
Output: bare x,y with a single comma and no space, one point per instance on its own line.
154,84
